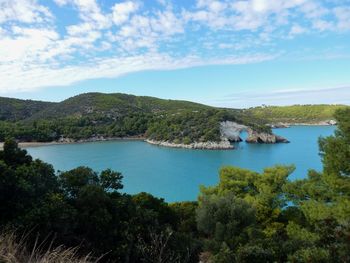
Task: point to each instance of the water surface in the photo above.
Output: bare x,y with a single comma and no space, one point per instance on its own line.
176,174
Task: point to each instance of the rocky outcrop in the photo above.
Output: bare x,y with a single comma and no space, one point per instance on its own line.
279,125
231,131
262,137
223,145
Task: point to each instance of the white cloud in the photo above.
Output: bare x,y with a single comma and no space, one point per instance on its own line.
122,11
142,31
128,36
322,25
15,79
343,16
297,30
61,2
28,45
26,11
89,12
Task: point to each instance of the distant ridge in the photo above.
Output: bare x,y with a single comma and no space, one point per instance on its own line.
120,104
12,109
296,113
17,109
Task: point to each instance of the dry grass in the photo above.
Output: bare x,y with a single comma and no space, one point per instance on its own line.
14,250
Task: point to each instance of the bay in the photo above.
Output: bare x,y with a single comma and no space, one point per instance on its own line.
176,174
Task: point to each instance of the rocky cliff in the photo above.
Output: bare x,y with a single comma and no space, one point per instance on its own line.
256,137
231,131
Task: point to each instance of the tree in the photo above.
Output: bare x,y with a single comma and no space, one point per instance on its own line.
324,199
264,192
110,180
24,183
227,223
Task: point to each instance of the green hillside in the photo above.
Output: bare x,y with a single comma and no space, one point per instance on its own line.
113,106
92,115
108,115
295,113
16,109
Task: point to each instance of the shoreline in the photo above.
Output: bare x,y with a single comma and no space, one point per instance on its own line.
69,141
223,145
206,145
287,124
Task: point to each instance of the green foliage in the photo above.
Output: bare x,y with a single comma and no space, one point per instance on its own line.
84,208
336,151
15,109
225,221
301,221
186,127
312,255
113,106
261,214
295,113
262,191
246,217
254,253
94,115
186,217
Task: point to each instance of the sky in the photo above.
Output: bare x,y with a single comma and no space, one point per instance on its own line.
230,53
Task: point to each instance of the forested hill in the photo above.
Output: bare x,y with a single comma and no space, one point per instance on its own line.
16,109
96,115
114,106
295,113
92,115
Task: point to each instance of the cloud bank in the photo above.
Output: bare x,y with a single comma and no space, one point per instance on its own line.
40,47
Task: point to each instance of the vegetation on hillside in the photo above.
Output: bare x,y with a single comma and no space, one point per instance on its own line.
94,115
120,115
113,106
90,115
246,217
295,113
16,109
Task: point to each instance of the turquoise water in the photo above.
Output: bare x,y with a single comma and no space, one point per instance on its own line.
176,174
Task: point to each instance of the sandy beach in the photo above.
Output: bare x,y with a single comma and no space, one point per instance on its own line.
37,144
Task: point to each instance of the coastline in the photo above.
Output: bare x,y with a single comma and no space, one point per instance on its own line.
287,124
223,145
71,141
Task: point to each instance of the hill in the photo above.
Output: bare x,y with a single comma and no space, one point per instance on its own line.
295,113
16,109
113,106
95,116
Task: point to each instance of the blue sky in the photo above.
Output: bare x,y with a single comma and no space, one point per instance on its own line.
232,53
